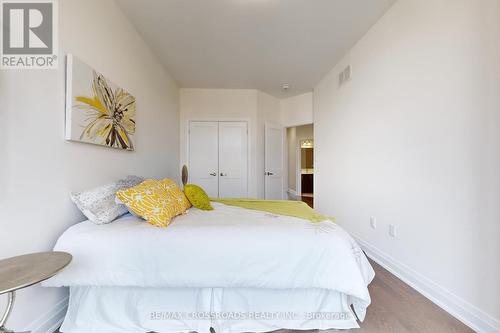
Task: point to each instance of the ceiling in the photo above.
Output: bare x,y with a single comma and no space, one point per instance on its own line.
258,44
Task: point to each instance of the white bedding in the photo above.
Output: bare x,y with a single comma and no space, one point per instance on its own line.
166,310
228,247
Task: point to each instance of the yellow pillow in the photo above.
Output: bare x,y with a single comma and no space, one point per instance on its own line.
198,197
158,202
177,194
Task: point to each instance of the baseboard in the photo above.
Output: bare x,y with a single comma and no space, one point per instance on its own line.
51,320
467,313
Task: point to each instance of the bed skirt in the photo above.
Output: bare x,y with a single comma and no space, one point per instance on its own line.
174,310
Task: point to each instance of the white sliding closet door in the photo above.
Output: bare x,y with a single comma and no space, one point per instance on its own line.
218,157
233,156
204,156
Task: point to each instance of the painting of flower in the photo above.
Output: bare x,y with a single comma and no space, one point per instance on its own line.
97,111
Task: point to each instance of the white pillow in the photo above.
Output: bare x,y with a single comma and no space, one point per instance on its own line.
98,204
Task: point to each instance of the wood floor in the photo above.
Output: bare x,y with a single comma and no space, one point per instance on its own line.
397,308
308,200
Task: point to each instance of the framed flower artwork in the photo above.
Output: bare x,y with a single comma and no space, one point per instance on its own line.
97,110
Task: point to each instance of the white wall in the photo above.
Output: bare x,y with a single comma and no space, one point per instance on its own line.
305,132
39,168
297,110
414,140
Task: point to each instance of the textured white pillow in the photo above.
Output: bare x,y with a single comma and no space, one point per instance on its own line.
99,205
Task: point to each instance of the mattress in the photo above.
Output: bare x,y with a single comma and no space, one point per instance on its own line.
229,251
164,310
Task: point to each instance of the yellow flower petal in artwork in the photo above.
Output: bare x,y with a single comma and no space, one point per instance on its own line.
92,102
123,135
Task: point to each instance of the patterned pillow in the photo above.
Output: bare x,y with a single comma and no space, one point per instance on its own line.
198,197
178,194
99,205
157,201
119,202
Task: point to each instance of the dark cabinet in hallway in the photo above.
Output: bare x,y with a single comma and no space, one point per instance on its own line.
307,183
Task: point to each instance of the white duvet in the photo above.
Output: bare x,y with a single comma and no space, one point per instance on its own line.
228,247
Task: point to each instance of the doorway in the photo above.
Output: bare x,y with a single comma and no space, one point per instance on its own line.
300,141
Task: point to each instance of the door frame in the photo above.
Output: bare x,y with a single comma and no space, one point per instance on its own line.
220,119
298,166
298,176
298,169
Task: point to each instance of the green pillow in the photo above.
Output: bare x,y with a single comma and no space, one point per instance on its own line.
197,196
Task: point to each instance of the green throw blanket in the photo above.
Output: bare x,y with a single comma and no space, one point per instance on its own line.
280,207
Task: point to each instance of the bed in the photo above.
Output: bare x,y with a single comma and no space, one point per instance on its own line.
232,269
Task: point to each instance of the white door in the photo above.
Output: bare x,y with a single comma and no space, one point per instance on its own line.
204,156
274,162
233,159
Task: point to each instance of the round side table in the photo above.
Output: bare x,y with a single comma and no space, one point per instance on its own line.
26,270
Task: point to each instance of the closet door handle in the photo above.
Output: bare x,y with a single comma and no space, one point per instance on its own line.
269,174
213,174
223,174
